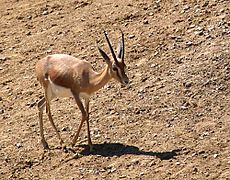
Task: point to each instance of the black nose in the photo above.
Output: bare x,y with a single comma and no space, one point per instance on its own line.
126,81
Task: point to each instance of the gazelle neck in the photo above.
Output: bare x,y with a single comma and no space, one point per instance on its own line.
101,79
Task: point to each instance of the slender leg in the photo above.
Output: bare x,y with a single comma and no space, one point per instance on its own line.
41,105
84,117
51,119
87,122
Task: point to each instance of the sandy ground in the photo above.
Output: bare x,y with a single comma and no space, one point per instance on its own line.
171,122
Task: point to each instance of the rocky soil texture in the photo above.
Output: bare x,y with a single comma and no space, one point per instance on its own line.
171,122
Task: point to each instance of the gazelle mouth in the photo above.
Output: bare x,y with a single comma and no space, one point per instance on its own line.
125,82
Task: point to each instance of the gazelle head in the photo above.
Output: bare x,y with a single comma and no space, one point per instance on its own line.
117,67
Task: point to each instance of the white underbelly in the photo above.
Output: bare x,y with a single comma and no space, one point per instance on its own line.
59,91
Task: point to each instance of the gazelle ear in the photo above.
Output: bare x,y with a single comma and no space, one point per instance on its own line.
105,56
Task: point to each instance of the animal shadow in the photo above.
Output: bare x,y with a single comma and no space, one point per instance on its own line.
118,149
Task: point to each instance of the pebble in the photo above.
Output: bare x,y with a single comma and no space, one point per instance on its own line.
45,13
3,58
177,163
145,21
18,145
142,173
199,32
122,176
135,161
112,170
1,111
151,14
64,129
186,7
131,36
189,43
28,33
187,84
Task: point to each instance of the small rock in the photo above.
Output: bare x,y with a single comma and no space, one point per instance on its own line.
199,28
142,173
183,107
199,32
97,136
64,129
215,155
187,84
205,133
131,36
18,145
151,14
28,33
189,43
186,7
145,21
194,154
3,58
113,170
135,161
45,13
122,176
221,10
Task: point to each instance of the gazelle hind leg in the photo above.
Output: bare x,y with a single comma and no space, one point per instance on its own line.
41,105
48,100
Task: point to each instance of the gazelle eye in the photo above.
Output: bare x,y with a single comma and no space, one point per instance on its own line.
114,67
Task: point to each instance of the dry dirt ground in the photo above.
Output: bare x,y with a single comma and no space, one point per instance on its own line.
171,122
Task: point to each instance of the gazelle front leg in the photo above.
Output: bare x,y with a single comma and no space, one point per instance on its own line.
85,116
87,122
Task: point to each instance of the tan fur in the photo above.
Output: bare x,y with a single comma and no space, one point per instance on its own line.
63,75
69,72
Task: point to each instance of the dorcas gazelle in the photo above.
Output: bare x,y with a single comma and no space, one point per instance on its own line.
63,75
